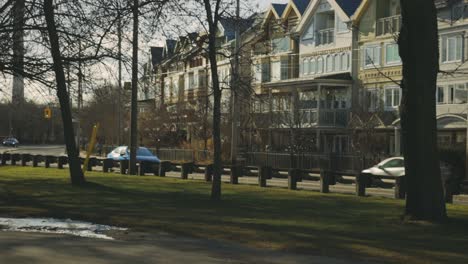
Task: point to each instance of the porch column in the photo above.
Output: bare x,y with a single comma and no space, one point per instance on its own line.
319,99
397,142
317,141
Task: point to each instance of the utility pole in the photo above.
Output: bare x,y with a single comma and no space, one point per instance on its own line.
134,113
234,91
119,94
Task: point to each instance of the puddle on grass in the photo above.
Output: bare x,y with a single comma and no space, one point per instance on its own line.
57,226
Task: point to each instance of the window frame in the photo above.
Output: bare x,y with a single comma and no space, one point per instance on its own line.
445,51
394,62
375,59
392,106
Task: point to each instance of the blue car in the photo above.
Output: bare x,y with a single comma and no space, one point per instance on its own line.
123,153
12,142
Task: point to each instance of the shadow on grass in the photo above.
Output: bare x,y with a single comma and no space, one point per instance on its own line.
306,222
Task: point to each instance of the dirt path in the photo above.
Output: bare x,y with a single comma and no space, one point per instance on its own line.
36,248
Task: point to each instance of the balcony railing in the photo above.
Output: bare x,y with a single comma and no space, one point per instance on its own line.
325,36
324,117
388,25
333,117
306,118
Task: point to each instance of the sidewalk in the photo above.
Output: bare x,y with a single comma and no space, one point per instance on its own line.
19,248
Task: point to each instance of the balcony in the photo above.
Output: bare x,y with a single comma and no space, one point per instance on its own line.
333,117
388,25
325,36
307,118
324,117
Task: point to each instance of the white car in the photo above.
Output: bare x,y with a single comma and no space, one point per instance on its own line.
395,167
391,167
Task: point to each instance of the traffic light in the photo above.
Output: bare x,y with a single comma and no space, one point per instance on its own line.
47,113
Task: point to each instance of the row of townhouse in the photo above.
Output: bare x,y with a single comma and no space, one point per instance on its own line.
319,71
177,81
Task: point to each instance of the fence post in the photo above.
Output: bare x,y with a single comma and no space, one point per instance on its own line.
294,176
91,163
324,181
5,157
235,174
185,170
123,166
400,187
141,169
14,158
60,162
163,168
24,159
209,172
35,160
361,182
264,173
48,160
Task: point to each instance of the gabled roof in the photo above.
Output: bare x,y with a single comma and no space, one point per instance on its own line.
275,10
301,5
298,6
279,9
169,47
343,8
156,55
349,6
229,25
356,17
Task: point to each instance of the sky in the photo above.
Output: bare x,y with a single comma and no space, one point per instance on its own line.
265,3
43,95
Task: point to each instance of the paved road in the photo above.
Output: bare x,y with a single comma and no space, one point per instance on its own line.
54,150
26,248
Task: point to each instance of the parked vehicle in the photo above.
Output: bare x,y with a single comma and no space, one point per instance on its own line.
143,154
395,167
123,153
11,141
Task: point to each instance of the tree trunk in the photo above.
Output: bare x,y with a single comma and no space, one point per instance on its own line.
76,174
418,43
134,113
217,166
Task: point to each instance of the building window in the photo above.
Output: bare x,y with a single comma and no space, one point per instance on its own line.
305,67
284,69
313,66
454,94
373,97
281,45
329,63
320,65
309,34
265,72
344,61
371,56
440,95
392,98
336,64
391,54
452,47
191,80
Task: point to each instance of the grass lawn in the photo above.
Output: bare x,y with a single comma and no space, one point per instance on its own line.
342,226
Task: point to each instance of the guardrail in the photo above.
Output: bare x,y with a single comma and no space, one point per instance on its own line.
322,173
